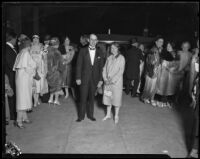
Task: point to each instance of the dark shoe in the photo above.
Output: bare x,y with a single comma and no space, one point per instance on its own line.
127,93
19,126
134,95
137,94
30,111
189,156
27,121
78,120
93,119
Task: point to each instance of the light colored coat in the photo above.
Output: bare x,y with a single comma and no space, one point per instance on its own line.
114,69
41,86
25,70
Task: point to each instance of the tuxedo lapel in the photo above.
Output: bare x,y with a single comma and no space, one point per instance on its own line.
96,56
13,50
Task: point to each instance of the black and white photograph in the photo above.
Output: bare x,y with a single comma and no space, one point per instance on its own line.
100,78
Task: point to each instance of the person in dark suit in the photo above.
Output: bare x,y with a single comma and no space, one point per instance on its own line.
132,73
89,77
11,55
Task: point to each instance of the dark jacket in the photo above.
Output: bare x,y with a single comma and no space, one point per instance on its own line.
133,58
10,60
84,69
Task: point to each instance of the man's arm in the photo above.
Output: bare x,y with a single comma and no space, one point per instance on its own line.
79,66
101,72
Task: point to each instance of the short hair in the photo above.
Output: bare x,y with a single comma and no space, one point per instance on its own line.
118,47
10,35
25,42
171,43
84,36
186,42
133,40
66,37
93,35
158,37
47,37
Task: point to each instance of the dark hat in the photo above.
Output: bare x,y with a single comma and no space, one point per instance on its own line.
47,38
22,37
158,37
54,41
134,40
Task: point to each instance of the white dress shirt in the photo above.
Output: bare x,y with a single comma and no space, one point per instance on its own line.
92,55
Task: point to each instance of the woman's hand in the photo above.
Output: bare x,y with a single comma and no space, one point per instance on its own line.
107,82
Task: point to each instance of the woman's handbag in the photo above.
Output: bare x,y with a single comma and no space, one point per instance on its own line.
100,90
107,91
37,77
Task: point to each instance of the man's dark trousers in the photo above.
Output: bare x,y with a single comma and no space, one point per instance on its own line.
87,92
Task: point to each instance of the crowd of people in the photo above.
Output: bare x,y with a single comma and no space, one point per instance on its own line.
160,76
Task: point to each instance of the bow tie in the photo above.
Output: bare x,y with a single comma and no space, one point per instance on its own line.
90,48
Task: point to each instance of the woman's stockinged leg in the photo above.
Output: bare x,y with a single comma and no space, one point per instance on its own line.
19,117
51,98
36,99
67,92
116,115
56,98
108,113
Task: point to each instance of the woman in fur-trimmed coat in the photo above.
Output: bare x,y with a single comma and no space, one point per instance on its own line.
55,68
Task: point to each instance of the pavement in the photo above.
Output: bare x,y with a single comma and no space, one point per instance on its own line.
142,129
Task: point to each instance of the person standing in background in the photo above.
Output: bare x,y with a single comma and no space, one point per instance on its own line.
36,53
83,41
142,79
152,72
8,93
132,73
55,68
166,83
194,152
193,73
25,68
184,68
67,52
11,55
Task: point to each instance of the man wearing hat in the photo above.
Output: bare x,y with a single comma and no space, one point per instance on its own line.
132,73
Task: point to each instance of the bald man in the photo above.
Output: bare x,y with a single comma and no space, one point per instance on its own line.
88,77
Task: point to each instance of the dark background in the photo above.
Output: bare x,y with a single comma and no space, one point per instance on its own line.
177,21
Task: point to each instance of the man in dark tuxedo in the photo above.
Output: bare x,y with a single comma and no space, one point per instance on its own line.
132,73
89,77
11,55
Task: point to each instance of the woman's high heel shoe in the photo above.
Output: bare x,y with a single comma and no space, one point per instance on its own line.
50,102
19,125
106,117
27,121
57,103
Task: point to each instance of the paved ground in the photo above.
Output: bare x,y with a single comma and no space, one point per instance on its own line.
142,129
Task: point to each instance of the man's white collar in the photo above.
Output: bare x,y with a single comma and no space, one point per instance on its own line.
11,45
